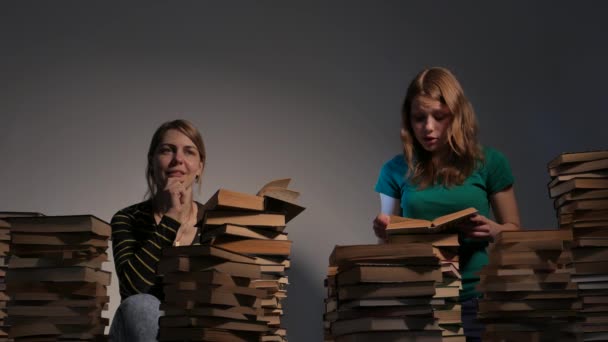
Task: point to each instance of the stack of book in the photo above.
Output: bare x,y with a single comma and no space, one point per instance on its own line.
528,291
579,188
330,302
56,287
382,293
250,226
5,238
440,234
209,295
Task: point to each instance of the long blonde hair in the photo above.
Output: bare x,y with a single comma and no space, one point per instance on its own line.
464,153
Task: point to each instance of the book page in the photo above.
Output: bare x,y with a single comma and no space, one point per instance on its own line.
277,183
462,214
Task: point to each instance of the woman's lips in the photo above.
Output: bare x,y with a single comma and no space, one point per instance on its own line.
175,174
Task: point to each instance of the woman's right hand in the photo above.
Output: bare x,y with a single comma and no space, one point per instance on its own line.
175,194
380,223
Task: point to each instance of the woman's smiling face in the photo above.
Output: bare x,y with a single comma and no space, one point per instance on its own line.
176,157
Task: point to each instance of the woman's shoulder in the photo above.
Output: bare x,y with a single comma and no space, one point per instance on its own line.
397,162
396,167
496,170
492,156
137,209
391,179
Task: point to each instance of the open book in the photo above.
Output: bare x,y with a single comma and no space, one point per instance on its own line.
404,225
281,199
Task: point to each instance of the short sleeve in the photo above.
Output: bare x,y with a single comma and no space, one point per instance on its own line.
391,177
497,171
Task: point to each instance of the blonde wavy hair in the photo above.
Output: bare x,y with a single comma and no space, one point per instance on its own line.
465,152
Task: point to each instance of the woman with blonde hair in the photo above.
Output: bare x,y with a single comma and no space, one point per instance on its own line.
444,169
170,216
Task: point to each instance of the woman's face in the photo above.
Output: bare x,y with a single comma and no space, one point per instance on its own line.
430,120
176,157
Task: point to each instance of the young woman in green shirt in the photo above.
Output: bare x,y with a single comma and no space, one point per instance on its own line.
444,169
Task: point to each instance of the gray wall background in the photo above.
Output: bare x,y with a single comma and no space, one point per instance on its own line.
308,90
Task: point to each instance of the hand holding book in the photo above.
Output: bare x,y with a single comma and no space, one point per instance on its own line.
446,223
479,227
380,223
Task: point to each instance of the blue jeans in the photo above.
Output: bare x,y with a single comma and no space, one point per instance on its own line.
136,319
473,329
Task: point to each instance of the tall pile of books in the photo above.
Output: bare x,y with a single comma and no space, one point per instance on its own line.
382,293
231,287
579,188
209,295
439,234
5,238
55,283
330,302
528,291
447,308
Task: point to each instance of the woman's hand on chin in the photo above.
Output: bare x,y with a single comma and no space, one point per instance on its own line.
175,196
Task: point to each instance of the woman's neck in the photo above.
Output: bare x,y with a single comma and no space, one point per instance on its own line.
442,156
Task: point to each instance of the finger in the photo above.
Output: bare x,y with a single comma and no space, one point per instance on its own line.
182,196
379,226
477,219
175,199
171,183
481,232
381,234
465,225
481,229
480,235
380,231
485,219
384,219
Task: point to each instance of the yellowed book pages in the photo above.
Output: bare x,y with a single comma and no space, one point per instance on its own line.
404,225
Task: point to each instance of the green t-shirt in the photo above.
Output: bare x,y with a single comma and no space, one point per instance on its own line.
491,176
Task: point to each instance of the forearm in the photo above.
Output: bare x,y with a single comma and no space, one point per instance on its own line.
136,260
496,228
509,226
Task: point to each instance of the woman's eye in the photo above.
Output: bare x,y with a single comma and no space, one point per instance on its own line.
418,118
165,150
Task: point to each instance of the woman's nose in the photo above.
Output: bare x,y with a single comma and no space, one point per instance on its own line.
429,125
178,156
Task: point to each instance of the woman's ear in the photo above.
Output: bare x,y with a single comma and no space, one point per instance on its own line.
199,175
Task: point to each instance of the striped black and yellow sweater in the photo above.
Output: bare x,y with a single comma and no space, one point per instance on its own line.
137,242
